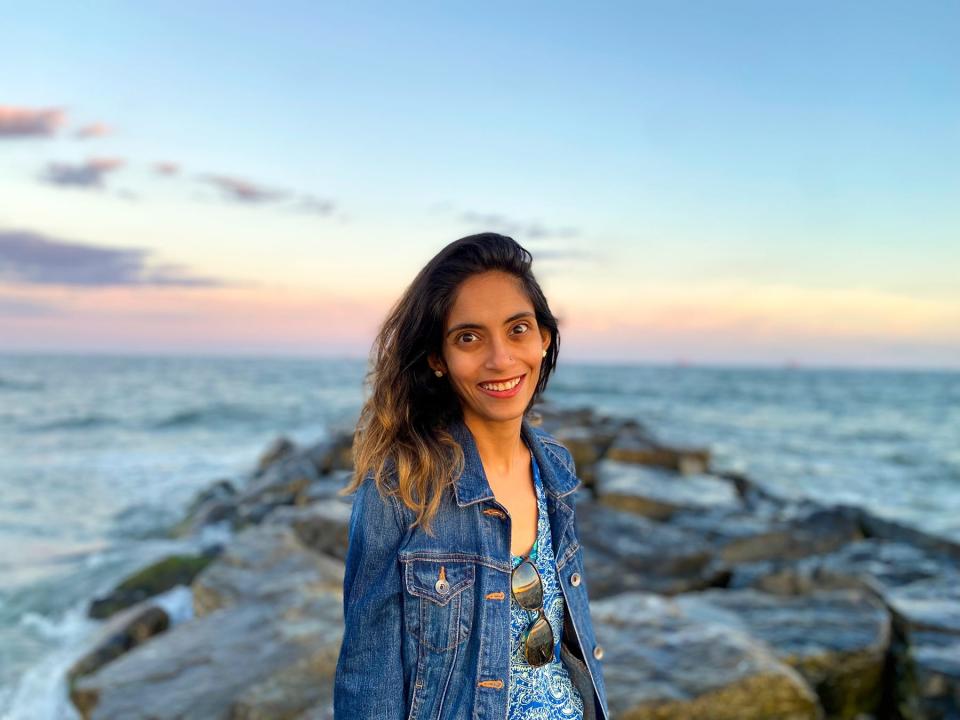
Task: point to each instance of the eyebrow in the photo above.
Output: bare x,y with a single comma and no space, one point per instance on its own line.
477,326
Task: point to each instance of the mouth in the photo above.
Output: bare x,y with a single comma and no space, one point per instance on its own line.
503,388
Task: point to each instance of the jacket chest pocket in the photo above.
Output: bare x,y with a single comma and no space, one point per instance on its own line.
440,607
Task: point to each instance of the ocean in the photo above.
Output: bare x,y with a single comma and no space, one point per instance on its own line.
99,454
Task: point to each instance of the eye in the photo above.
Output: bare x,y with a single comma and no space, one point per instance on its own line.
525,327
461,336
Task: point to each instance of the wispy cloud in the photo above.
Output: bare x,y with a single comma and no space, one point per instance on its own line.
33,258
315,205
244,191
30,122
176,274
11,306
563,254
87,174
547,238
516,228
536,231
166,168
94,130
46,122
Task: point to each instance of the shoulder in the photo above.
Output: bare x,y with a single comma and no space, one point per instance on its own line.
388,482
554,447
378,499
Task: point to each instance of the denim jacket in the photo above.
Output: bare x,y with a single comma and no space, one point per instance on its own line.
419,645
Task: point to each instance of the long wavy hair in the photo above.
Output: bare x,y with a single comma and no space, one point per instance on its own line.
402,428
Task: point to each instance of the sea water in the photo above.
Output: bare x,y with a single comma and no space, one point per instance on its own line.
100,454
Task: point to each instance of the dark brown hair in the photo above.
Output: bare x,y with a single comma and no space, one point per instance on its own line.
402,425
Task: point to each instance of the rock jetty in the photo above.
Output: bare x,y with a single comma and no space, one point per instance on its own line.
712,597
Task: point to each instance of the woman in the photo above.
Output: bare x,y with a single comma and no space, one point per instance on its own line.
463,592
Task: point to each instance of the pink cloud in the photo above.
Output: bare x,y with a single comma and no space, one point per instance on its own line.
244,190
762,323
87,174
30,122
94,130
273,319
166,168
30,258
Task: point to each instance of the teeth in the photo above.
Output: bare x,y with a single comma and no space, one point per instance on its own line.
500,386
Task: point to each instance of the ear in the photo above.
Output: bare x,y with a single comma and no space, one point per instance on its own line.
435,363
545,338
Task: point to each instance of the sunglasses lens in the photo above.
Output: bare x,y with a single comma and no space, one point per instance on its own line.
526,586
539,644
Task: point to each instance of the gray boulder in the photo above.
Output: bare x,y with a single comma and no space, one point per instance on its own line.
661,663
633,444
254,660
659,493
838,640
927,614
262,563
323,527
623,551
121,633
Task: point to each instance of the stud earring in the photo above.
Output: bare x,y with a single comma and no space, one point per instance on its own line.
438,373
544,353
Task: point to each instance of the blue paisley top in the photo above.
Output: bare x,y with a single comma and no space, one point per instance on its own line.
545,692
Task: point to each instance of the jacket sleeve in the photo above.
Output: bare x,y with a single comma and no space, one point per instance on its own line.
369,681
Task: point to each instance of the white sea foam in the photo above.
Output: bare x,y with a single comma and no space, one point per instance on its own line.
177,603
41,692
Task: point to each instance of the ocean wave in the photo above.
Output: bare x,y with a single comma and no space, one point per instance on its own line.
8,383
49,628
41,691
84,422
213,413
875,435
903,458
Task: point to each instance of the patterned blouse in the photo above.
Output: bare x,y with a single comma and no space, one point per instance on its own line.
545,692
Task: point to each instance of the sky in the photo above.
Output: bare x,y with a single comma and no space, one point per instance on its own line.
699,182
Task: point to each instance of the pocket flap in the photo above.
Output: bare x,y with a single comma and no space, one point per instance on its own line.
438,580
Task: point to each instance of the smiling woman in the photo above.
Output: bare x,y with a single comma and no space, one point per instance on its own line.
464,590
490,352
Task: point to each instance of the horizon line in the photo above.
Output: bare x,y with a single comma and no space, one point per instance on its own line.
791,364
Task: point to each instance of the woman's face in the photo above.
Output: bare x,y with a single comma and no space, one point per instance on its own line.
492,347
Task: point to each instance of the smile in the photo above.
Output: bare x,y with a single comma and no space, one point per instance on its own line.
504,388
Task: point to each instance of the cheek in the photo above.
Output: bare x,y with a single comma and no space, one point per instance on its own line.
461,371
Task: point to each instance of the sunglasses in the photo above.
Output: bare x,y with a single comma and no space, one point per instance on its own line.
527,589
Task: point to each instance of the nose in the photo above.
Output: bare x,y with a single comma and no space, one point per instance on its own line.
500,356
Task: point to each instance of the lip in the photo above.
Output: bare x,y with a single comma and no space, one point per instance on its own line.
505,393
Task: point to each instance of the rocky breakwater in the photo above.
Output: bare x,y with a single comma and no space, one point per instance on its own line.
711,597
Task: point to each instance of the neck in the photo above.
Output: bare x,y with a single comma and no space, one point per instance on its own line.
499,443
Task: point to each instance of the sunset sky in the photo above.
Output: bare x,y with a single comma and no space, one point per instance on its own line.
712,182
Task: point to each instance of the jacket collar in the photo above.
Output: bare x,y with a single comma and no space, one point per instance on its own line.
472,485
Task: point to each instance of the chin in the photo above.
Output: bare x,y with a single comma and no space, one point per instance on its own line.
503,414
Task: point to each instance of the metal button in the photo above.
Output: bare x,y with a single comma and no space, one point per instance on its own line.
442,586
598,652
575,579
